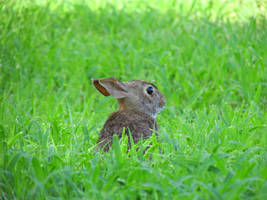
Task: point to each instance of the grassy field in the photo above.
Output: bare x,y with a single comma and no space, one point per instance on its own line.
209,58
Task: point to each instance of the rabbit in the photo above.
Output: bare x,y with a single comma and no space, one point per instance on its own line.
139,102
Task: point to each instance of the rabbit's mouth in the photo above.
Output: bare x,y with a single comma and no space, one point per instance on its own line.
160,108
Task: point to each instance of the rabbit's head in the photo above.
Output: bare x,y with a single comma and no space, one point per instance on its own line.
135,95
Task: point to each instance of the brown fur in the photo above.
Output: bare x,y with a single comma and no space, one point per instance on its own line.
136,113
140,125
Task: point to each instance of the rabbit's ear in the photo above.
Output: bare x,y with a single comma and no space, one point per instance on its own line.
110,86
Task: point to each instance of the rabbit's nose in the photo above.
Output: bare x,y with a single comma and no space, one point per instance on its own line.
162,101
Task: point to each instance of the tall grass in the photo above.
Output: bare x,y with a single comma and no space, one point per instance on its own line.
207,57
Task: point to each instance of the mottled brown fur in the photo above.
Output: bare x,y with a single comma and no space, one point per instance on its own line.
137,109
140,125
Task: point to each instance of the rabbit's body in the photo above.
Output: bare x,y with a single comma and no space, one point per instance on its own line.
139,103
141,127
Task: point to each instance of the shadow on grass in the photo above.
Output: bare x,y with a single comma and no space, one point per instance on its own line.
195,54
47,56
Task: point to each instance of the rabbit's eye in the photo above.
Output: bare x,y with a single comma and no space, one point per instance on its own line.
150,90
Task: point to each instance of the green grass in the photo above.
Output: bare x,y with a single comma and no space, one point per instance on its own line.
209,58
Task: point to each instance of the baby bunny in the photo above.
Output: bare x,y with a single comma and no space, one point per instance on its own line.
139,102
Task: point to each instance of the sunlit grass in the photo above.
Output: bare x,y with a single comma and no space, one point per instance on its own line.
207,57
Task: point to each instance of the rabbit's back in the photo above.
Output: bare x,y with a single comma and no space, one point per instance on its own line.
139,124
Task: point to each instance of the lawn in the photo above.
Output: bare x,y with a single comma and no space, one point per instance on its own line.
209,59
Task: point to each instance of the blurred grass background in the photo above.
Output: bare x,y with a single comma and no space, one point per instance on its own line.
207,57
